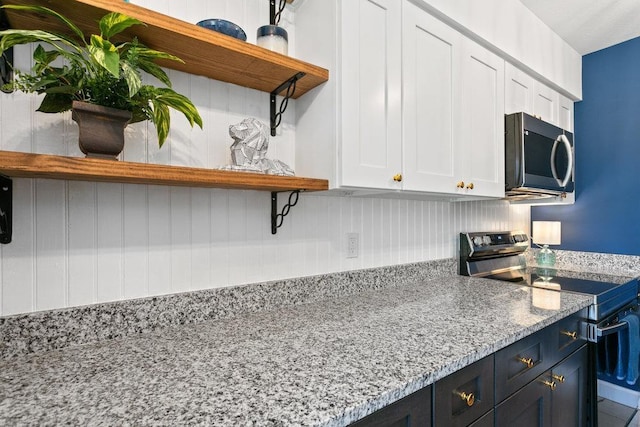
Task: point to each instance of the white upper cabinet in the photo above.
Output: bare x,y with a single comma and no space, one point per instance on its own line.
565,113
431,63
524,93
453,109
482,122
518,90
412,105
545,103
371,93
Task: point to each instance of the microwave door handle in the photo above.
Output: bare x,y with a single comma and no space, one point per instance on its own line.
562,138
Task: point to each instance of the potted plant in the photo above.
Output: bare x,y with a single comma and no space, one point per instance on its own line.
98,76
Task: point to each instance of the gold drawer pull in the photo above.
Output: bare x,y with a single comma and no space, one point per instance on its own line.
551,384
527,361
470,186
468,398
460,184
573,335
397,177
559,378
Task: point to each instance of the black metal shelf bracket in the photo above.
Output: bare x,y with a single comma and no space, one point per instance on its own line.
6,209
276,113
276,11
277,218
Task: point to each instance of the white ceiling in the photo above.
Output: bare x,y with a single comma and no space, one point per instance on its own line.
589,25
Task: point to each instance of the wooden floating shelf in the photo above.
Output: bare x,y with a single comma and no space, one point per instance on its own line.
204,52
29,165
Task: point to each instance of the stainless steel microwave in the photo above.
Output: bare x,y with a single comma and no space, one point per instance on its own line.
539,158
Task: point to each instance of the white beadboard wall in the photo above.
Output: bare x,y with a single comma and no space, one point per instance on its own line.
78,243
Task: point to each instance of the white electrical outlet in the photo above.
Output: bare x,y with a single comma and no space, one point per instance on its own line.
353,245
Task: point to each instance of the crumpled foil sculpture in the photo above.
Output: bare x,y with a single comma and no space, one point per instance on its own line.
249,149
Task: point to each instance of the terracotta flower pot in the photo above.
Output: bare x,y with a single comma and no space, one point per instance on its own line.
101,129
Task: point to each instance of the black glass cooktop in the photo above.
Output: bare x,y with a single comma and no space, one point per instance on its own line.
561,280
582,286
609,292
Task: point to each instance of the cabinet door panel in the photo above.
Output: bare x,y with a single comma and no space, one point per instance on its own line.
430,104
371,117
565,116
518,91
569,405
529,407
483,121
487,420
545,103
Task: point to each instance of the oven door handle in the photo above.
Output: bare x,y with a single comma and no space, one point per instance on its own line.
592,333
608,330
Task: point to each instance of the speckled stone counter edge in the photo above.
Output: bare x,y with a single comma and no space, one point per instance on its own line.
56,329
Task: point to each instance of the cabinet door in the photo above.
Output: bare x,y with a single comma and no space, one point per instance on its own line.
565,116
431,98
411,411
518,90
487,420
482,146
371,125
545,103
528,407
569,405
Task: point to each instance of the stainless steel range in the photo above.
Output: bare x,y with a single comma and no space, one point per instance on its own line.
500,256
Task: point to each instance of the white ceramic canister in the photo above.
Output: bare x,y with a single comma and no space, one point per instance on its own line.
273,38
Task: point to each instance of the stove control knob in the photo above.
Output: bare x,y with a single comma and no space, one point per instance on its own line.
477,241
486,240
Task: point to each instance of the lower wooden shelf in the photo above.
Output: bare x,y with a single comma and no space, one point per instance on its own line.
29,165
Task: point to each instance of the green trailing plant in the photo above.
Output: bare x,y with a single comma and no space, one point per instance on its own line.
97,71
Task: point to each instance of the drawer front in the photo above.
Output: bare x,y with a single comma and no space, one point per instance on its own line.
565,338
465,395
523,361
411,411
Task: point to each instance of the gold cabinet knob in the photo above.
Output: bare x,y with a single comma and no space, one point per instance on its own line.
460,184
397,177
573,335
528,361
559,378
468,398
470,186
551,384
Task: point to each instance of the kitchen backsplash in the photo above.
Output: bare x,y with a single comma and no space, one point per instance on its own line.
82,243
79,243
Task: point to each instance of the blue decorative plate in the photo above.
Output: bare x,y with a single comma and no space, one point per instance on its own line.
224,27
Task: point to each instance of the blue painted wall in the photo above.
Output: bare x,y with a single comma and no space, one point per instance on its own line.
606,215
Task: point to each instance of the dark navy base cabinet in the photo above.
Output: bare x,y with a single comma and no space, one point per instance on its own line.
411,411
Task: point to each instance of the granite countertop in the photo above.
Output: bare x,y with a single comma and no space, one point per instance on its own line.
325,363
